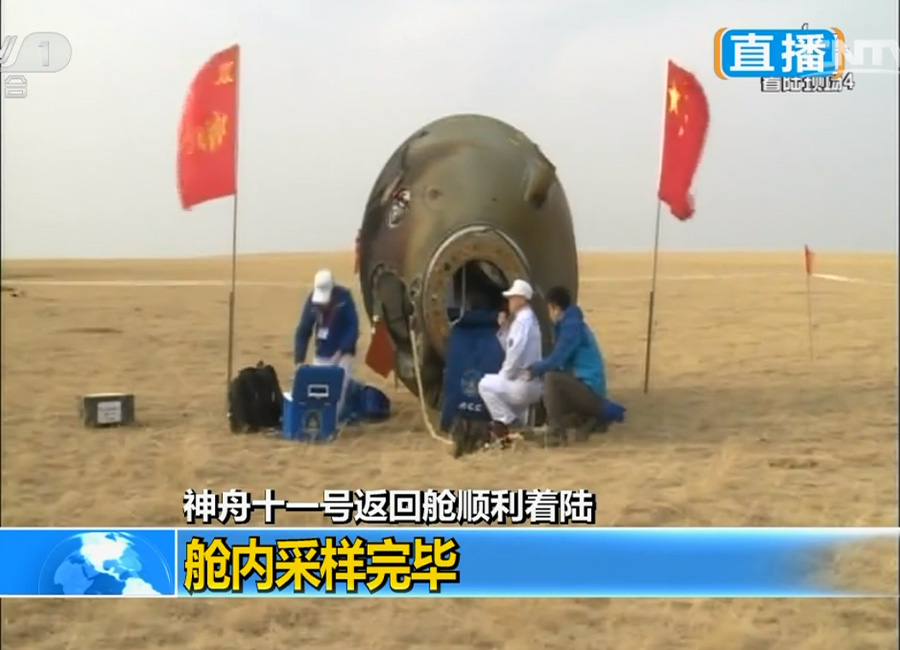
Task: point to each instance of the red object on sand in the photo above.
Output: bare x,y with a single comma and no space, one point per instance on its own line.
380,356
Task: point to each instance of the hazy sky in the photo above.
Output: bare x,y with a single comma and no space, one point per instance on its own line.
330,88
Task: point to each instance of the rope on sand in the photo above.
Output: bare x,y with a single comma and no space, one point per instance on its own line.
415,351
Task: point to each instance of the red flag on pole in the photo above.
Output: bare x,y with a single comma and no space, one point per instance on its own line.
207,137
686,123
808,258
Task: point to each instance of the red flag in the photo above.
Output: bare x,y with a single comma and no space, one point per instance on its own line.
380,356
808,259
686,123
207,136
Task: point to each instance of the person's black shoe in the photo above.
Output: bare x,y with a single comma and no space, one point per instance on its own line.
479,436
501,436
584,430
460,437
469,437
499,430
498,435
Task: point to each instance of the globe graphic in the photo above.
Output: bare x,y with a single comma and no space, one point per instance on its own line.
95,564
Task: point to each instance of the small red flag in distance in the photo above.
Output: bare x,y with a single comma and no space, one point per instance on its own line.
684,137
207,135
808,259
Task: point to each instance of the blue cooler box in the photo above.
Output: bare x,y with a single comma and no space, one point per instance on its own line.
310,409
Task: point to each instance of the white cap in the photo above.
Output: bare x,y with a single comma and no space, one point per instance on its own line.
322,286
519,288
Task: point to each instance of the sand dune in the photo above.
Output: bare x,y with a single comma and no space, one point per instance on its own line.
740,428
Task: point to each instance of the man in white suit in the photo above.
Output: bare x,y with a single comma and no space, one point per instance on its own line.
509,393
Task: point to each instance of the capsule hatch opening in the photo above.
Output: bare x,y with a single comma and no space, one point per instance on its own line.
478,284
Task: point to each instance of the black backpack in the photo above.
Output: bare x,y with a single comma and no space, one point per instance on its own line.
255,399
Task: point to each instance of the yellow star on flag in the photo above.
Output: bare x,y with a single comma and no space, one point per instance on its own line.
674,98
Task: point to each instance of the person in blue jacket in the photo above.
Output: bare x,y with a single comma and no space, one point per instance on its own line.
330,314
574,373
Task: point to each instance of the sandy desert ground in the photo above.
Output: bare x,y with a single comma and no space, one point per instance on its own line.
739,428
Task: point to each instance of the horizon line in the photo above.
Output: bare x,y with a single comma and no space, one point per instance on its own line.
349,253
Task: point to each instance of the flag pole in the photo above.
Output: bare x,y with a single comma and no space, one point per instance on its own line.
234,223
652,298
807,263
231,297
809,318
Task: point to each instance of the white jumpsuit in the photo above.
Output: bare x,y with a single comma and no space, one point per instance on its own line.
508,394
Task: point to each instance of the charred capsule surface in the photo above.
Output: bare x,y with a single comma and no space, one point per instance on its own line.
463,207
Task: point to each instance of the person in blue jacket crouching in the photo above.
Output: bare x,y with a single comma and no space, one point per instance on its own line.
330,314
574,373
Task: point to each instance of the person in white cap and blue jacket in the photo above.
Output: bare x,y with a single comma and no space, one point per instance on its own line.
330,313
509,393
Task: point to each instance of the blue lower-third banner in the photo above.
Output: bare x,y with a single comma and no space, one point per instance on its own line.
516,562
88,562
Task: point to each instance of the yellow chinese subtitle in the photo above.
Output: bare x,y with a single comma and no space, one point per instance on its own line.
320,564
